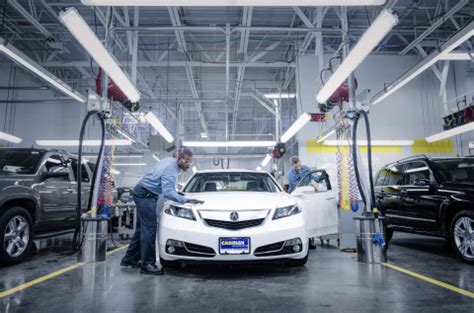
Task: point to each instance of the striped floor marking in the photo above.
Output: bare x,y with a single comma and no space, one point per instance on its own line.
31,283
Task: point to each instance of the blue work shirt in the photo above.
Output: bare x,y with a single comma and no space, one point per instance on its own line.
294,177
161,180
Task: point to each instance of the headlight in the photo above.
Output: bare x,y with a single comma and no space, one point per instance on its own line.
286,211
180,212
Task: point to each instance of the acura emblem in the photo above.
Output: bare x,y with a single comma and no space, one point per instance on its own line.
234,216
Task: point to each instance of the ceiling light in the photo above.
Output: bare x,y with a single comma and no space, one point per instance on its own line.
451,132
329,133
471,144
156,157
460,37
218,144
160,128
22,59
279,96
259,168
87,38
380,27
73,143
458,56
232,2
373,142
114,171
296,127
267,160
130,164
128,156
11,138
204,135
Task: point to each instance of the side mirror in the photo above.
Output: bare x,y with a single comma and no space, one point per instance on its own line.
49,175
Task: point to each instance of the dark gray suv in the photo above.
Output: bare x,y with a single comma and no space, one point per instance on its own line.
38,196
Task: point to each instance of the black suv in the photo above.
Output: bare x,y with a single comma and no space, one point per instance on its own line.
432,196
38,196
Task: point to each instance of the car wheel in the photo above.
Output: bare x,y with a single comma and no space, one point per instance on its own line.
298,262
170,264
462,235
16,235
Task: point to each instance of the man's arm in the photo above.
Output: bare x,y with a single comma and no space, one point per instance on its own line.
168,186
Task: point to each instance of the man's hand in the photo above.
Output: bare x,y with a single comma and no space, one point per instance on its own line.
195,201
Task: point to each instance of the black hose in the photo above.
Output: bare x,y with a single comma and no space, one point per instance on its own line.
76,242
369,157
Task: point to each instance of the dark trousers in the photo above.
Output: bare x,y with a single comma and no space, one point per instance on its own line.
142,245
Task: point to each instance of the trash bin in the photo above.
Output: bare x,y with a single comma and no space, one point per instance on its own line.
370,250
94,240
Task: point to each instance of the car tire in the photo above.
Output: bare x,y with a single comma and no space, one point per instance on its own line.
15,221
298,262
170,264
458,235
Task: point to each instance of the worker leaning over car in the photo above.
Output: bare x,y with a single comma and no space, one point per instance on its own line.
297,172
161,180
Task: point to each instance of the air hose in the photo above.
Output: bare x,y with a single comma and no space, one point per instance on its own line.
77,241
355,148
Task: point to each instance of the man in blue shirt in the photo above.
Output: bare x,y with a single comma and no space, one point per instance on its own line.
297,172
161,180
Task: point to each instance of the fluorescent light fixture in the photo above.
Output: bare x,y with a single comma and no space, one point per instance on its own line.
380,27
231,2
259,168
160,128
121,132
128,156
114,171
267,160
279,96
87,38
438,54
451,132
130,164
194,169
373,142
74,143
457,56
329,133
204,135
22,59
156,157
471,145
219,144
10,138
296,127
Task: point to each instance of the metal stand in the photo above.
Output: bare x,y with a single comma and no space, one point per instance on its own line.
127,229
94,245
367,250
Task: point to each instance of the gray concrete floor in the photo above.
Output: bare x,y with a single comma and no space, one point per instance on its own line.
332,281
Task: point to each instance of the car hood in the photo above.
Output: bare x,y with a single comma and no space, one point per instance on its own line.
236,200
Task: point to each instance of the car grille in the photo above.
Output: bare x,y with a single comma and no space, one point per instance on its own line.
234,225
273,249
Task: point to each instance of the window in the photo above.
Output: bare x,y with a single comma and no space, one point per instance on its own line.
84,173
457,170
381,177
394,174
56,164
231,181
417,173
318,180
19,161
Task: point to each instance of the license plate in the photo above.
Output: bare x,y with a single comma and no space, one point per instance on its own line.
234,245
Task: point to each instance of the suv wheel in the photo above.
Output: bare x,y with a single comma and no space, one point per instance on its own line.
16,235
462,235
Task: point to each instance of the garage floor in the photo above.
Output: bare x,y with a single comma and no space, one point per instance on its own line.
332,281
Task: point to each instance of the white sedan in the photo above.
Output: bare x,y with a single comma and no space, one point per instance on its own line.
246,216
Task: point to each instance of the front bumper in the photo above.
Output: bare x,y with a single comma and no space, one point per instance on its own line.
200,234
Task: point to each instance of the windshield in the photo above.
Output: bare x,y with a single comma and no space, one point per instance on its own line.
19,161
217,182
457,170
